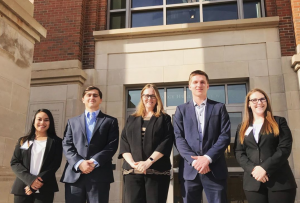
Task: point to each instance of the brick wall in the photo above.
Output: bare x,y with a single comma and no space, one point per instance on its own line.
282,8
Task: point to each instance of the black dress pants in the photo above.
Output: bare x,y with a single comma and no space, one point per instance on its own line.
264,195
146,188
35,198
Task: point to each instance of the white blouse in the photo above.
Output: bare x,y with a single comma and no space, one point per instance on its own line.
37,155
256,130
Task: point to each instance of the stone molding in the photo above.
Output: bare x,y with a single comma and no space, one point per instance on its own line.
57,65
22,19
187,28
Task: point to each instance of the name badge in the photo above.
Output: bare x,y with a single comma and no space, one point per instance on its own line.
248,130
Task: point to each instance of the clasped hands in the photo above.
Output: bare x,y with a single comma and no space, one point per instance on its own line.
86,166
37,184
201,164
141,165
260,174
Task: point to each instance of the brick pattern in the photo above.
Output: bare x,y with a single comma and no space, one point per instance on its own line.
296,19
282,8
64,24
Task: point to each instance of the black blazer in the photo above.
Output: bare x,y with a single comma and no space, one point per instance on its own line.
20,164
159,137
271,153
102,147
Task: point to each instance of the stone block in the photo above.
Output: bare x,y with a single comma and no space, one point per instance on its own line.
273,50
48,93
91,75
144,44
258,68
293,100
116,77
114,109
8,151
180,73
5,92
291,82
204,55
173,57
101,77
20,98
281,113
142,75
74,91
278,101
101,61
271,35
119,61
114,93
274,66
254,36
2,152
276,83
294,119
247,52
260,82
286,64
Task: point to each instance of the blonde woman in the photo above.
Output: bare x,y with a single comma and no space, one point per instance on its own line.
146,143
263,145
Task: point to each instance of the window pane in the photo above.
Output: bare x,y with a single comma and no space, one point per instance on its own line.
183,15
162,95
235,120
117,4
175,96
252,9
149,18
236,93
117,20
143,3
217,93
220,12
181,1
189,95
133,98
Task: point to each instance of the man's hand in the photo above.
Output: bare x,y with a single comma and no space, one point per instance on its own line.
260,174
201,164
86,166
37,183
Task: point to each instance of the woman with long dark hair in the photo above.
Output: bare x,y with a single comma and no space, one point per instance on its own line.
146,143
36,158
263,145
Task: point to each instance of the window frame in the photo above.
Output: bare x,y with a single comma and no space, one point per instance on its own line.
128,10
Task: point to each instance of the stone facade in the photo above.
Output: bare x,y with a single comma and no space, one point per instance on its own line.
18,34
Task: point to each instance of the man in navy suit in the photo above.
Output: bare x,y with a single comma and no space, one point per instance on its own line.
89,143
202,133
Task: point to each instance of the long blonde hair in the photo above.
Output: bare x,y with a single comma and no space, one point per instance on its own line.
158,109
269,125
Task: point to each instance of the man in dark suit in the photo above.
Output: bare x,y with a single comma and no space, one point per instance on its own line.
202,133
89,144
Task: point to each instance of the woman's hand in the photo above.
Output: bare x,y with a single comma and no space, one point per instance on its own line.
143,165
27,190
37,183
260,174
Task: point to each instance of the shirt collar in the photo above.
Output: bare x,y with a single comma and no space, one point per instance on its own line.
86,113
203,103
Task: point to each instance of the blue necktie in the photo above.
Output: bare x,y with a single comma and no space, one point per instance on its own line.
91,125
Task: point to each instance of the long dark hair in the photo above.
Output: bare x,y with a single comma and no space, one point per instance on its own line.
31,133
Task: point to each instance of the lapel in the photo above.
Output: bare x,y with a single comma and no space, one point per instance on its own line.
251,137
82,125
28,152
208,110
148,139
99,121
191,110
47,150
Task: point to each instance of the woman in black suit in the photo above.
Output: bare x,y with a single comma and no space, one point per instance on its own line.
146,143
36,158
263,145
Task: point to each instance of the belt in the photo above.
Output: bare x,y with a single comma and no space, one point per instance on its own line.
148,171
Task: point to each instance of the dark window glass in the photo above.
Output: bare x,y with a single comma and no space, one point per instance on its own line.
235,192
162,95
175,96
235,120
236,93
143,3
150,18
117,20
189,95
181,1
252,9
183,15
117,4
133,98
216,93
220,12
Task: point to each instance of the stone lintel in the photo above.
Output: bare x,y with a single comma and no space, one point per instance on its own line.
58,77
296,62
57,65
186,28
22,19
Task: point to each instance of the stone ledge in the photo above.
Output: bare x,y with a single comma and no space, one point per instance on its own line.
20,17
58,77
57,65
187,28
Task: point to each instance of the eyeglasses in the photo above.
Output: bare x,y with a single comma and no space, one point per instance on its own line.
151,96
255,101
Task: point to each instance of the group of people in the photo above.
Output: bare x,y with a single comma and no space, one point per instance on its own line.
200,131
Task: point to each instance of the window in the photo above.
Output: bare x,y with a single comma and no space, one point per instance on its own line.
141,13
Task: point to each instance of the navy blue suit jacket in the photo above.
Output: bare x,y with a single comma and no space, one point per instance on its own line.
103,145
216,138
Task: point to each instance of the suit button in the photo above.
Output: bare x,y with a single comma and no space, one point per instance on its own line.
86,146
261,160
256,148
